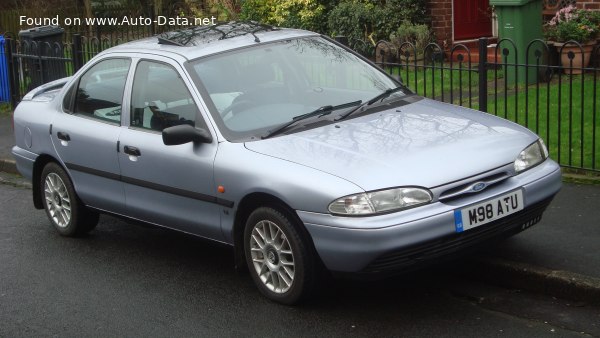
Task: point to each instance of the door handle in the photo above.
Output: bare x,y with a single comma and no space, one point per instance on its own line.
63,136
132,151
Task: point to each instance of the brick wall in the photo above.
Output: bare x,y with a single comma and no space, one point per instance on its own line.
589,4
441,18
441,21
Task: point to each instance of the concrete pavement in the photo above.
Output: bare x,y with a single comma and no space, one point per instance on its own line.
559,256
7,140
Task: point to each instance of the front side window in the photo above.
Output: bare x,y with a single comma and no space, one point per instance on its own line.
160,99
255,89
99,92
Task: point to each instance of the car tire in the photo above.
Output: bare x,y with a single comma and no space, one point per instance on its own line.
64,209
279,256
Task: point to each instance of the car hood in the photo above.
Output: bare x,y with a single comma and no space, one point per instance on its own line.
426,143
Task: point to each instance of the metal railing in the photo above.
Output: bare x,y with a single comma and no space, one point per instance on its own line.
539,93
557,101
33,63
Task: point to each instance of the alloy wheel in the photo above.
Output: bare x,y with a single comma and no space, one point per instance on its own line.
58,200
272,256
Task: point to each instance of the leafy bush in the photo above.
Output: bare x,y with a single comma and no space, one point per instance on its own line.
225,10
305,14
353,19
257,10
417,34
394,12
374,20
363,22
570,23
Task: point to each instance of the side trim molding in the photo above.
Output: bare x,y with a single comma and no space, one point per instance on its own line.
151,185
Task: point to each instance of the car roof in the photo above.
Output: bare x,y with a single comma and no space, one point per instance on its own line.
194,42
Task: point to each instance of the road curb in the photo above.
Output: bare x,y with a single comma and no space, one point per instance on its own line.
557,283
579,176
8,166
581,179
14,180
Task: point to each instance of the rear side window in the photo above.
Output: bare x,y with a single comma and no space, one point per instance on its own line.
99,93
160,98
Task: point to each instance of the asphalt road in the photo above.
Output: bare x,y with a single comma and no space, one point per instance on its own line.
128,280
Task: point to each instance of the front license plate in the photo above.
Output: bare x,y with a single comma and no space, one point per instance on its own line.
488,211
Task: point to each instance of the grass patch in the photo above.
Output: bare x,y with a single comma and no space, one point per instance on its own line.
579,176
5,109
564,114
453,83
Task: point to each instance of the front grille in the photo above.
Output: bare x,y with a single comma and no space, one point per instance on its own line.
446,247
462,189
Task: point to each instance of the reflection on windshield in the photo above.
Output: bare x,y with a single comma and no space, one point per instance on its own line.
256,88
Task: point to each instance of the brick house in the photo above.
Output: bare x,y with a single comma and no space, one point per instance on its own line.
456,21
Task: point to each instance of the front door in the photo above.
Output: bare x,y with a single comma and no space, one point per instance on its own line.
167,185
472,19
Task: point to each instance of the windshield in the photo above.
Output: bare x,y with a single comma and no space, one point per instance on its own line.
256,89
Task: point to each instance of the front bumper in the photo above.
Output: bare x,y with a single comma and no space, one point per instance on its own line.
397,241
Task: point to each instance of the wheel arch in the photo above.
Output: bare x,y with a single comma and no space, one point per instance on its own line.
38,167
250,203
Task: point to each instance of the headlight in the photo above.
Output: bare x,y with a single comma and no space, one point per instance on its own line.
531,156
380,201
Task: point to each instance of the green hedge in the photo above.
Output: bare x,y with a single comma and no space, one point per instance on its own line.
304,14
365,20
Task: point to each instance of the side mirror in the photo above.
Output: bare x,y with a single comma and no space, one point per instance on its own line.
184,133
397,77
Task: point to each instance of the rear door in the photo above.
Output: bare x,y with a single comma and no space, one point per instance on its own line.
86,134
167,185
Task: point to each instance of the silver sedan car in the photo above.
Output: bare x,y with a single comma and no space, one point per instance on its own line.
297,152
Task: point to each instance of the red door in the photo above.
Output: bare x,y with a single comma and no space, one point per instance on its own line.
472,19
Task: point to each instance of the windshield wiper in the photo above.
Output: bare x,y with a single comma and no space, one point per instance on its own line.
381,96
321,111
